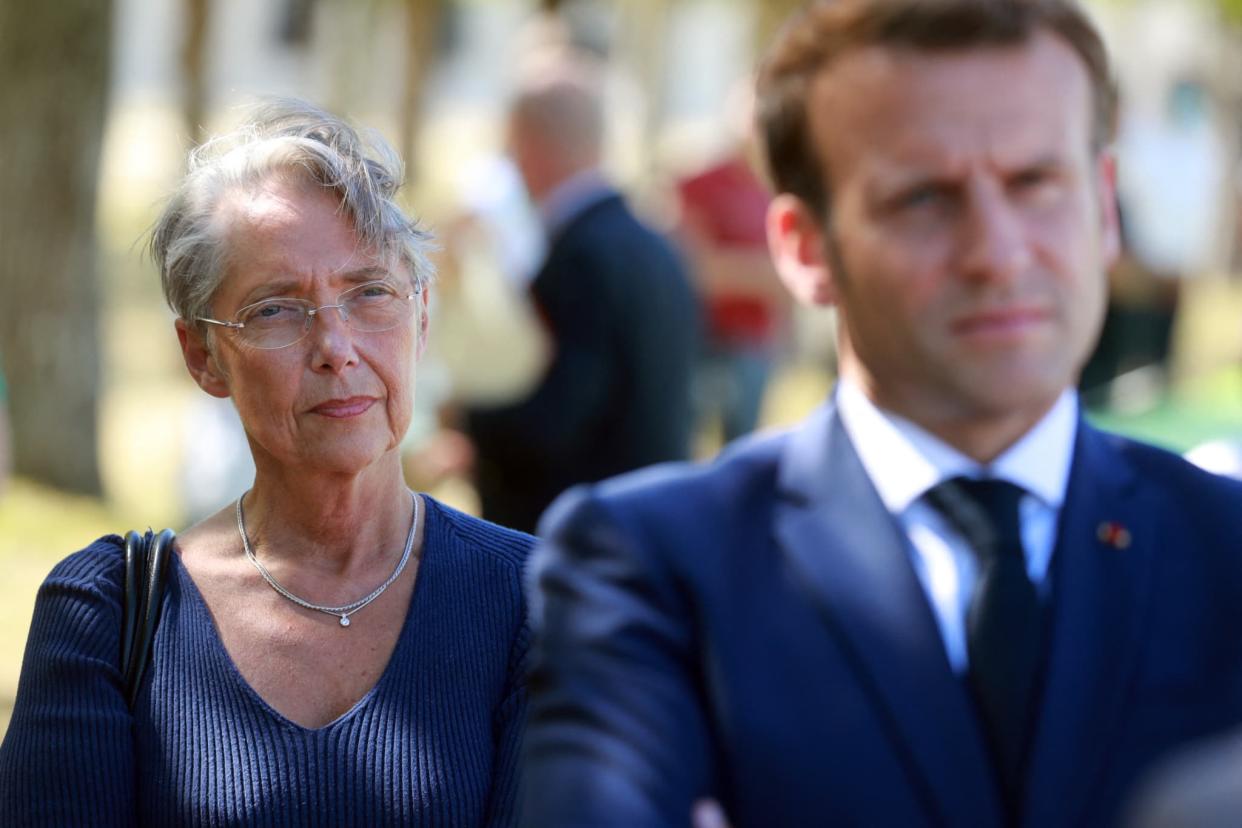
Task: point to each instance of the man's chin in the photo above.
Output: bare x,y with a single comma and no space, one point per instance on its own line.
1017,395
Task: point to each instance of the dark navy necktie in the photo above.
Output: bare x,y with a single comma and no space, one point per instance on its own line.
1003,624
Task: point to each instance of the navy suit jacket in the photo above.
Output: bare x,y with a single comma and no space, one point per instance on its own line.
623,320
754,630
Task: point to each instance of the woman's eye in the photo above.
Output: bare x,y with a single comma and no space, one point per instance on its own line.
372,294
270,312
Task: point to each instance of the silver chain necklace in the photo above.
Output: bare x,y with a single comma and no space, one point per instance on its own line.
344,610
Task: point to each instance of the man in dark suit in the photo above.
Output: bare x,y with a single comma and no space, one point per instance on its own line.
621,316
944,598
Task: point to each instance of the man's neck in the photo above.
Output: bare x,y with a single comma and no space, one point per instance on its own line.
981,435
985,438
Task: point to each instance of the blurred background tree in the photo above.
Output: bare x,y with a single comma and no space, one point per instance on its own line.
54,71
197,26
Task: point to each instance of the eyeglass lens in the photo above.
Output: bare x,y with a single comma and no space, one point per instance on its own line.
279,322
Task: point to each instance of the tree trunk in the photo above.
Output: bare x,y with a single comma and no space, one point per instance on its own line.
54,68
771,16
422,28
194,68
1228,86
646,47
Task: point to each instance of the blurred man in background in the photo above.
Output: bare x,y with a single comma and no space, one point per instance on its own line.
620,314
944,599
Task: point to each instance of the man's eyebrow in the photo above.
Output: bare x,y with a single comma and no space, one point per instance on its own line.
897,185
1043,162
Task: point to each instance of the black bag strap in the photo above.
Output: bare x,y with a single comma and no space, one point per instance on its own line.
146,558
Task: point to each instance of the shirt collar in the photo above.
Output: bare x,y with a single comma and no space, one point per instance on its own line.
567,200
903,460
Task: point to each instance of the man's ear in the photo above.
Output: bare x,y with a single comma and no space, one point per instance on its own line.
200,362
796,240
1110,221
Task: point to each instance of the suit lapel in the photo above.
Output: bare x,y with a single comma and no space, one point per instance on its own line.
853,560
1102,587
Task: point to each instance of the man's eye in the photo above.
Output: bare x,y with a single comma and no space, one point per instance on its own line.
1037,187
923,197
1031,179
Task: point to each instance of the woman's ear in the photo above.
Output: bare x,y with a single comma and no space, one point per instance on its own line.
200,361
797,242
424,319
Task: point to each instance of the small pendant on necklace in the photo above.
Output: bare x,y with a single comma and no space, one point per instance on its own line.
344,620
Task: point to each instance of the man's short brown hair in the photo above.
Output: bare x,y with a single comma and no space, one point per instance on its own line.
827,28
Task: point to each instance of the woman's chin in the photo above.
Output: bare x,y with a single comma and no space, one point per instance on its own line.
348,460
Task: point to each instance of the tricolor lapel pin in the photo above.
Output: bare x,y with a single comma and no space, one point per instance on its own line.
1114,534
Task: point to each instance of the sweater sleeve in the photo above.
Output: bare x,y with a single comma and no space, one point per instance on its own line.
67,758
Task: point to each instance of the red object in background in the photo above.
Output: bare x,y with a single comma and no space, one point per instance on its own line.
728,205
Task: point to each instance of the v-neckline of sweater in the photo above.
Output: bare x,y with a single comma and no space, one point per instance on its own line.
221,653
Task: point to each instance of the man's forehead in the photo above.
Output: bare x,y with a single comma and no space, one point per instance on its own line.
1031,92
1041,58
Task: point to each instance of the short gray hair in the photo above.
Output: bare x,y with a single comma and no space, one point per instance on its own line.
281,136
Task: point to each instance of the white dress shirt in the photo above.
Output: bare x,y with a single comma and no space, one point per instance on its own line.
571,198
904,462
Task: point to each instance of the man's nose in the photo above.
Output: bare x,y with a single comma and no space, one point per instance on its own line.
995,243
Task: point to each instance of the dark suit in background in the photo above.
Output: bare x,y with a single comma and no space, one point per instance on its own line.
623,319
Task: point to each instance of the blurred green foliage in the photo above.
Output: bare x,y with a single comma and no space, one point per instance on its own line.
1207,408
1232,10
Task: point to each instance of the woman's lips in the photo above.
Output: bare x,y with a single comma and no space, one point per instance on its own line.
345,408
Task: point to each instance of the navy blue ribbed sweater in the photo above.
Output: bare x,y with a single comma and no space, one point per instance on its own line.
434,743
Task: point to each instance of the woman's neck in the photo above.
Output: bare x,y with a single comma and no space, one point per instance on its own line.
338,522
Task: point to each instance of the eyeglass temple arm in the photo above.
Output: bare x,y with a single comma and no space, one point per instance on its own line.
237,325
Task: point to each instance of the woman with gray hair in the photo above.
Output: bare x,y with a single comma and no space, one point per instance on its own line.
333,649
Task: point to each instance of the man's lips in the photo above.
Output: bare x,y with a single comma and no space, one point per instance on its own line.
1001,323
343,408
